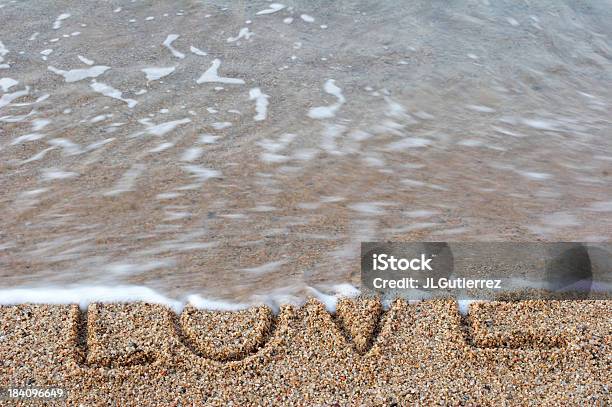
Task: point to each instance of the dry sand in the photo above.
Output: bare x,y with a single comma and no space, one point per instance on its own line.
514,353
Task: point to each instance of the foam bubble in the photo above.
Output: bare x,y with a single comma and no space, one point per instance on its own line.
197,51
7,98
464,305
75,75
154,74
111,92
7,83
161,128
244,33
168,44
192,153
211,75
326,112
201,173
273,8
261,103
51,174
57,24
68,146
84,60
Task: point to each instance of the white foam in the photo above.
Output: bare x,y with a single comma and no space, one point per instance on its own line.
39,124
288,20
27,137
420,213
168,44
100,118
172,215
368,208
307,18
464,305
201,173
7,98
540,124
329,136
161,147
560,219
192,153
162,128
221,125
16,118
7,83
3,52
84,60
326,112
211,75
346,290
85,295
331,300
50,174
273,8
208,139
75,75
111,92
46,53
601,206
215,305
243,33
68,146
154,74
197,51
127,181
481,109
261,103
57,24
512,21
408,142
276,146
34,192
536,176
38,155
98,144
274,158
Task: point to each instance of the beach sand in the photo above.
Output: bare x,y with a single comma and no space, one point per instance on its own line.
385,122
137,354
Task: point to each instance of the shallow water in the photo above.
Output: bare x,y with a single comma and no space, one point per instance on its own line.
243,150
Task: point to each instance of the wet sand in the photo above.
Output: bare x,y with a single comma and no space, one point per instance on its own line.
372,122
516,353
